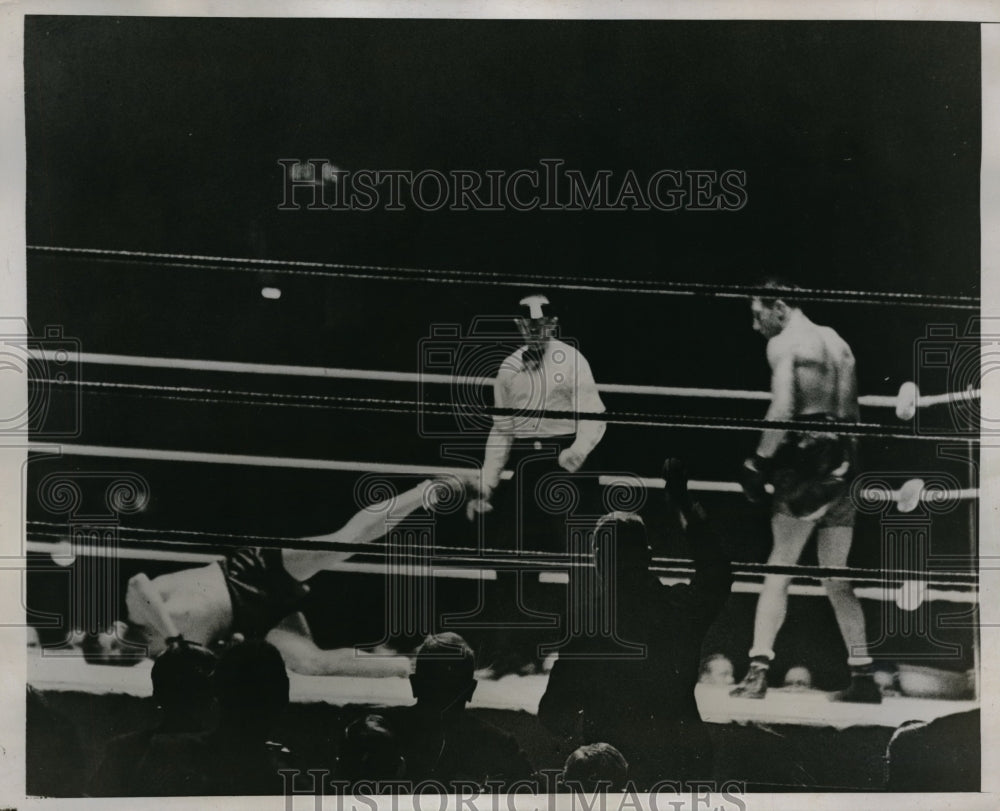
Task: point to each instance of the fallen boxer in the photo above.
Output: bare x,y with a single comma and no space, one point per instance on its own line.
257,593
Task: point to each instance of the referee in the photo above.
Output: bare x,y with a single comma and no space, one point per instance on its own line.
545,454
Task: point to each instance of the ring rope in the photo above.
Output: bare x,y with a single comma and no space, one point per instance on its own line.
519,560
335,373
437,408
600,284
927,593
872,494
304,463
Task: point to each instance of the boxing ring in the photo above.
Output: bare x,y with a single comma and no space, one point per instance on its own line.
904,587
514,693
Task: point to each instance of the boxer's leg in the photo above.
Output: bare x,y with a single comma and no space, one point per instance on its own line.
790,536
832,547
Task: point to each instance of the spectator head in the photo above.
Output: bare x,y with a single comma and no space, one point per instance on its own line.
620,546
182,684
941,755
716,669
370,751
595,767
900,769
798,678
443,674
251,685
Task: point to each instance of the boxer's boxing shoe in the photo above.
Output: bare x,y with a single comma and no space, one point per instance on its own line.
862,690
754,684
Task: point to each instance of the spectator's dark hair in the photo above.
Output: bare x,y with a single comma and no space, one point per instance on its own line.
182,675
370,750
596,767
784,290
444,673
251,682
620,538
445,656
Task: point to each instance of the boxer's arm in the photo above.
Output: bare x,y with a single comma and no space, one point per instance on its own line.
781,357
847,388
303,655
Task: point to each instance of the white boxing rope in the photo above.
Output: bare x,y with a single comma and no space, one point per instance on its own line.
908,397
806,590
276,369
166,455
64,554
907,496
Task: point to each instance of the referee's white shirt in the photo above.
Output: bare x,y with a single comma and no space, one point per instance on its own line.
562,381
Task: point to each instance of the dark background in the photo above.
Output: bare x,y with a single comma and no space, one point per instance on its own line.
860,141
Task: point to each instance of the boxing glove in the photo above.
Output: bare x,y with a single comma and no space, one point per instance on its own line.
754,477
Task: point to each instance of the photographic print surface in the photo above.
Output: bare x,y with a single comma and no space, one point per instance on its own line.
477,407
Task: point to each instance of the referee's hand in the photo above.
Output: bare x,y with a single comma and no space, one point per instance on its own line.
477,506
571,460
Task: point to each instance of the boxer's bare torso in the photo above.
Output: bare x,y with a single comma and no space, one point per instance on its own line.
812,372
823,378
197,601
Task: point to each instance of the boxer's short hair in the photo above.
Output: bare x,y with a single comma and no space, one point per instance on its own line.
784,291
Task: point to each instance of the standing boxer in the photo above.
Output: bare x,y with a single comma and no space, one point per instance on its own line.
544,374
812,378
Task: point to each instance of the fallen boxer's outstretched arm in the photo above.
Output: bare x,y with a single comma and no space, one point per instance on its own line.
369,524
